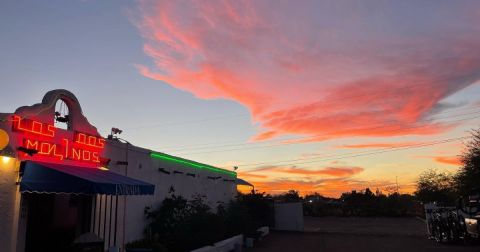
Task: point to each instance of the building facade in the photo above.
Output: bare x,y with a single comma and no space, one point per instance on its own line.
61,182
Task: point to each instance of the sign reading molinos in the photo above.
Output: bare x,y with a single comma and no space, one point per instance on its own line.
44,142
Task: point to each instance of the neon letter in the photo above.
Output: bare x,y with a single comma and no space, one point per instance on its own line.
76,154
95,157
86,158
33,145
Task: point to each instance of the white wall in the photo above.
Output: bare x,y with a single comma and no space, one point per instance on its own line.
9,204
142,167
289,216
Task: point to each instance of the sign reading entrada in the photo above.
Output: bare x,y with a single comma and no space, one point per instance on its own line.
58,144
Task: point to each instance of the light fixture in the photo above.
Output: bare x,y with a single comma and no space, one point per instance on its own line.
114,131
6,159
62,119
103,168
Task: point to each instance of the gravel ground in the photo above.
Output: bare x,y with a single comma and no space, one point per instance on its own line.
357,234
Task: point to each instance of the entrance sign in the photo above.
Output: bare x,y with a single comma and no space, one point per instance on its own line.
54,144
33,127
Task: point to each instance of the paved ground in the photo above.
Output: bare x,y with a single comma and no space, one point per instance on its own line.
357,234
366,226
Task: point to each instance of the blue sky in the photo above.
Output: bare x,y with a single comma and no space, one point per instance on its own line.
90,48
207,81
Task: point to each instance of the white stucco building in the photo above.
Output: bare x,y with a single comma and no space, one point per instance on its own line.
57,184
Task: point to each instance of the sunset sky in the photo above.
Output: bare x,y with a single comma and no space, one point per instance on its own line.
316,96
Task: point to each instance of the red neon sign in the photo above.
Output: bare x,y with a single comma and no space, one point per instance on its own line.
42,137
92,141
38,128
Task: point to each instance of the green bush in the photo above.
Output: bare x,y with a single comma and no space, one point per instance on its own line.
183,225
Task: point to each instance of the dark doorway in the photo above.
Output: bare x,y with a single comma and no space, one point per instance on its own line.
54,220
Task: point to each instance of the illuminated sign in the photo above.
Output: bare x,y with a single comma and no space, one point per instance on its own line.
56,144
34,127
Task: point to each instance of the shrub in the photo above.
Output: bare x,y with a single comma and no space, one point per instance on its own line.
183,225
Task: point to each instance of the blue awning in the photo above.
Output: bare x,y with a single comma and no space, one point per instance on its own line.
57,178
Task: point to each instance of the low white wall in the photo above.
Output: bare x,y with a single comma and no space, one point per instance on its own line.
226,245
264,230
289,216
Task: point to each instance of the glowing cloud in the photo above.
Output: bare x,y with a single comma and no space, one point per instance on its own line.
323,69
376,145
327,187
451,160
333,180
330,171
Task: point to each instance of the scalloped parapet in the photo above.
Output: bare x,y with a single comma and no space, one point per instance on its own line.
44,111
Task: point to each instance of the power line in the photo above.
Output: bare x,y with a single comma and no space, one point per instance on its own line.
357,155
327,134
339,99
336,100
327,98
338,155
202,146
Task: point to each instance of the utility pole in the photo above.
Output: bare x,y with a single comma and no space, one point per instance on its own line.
396,181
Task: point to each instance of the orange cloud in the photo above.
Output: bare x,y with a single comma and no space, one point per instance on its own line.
331,171
336,180
312,74
279,186
376,145
327,187
451,160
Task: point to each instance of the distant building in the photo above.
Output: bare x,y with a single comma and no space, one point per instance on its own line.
59,183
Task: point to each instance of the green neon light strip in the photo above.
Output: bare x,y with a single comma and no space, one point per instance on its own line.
191,163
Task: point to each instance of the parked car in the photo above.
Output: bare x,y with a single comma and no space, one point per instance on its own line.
472,216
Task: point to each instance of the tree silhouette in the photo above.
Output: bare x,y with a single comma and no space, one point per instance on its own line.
467,179
435,186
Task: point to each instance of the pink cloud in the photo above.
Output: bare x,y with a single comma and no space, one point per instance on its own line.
449,160
331,171
315,68
376,145
452,160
